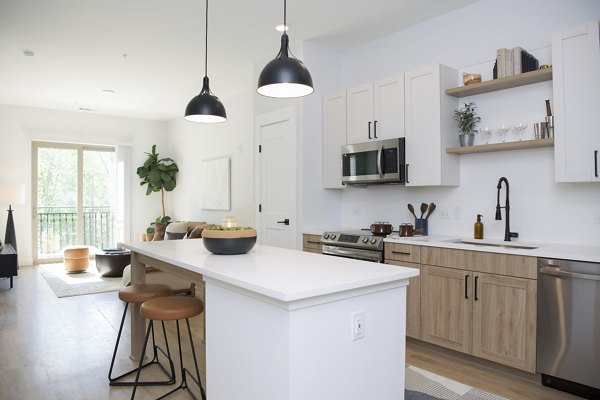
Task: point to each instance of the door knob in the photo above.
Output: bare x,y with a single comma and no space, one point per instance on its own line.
285,221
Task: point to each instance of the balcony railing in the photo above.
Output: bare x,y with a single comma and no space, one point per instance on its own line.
57,229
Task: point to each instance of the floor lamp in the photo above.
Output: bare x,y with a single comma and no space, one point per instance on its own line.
11,195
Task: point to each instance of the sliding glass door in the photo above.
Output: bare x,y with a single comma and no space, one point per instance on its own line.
74,192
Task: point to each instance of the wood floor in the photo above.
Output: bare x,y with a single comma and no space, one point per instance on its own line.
60,349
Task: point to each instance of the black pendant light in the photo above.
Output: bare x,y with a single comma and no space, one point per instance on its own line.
205,107
285,76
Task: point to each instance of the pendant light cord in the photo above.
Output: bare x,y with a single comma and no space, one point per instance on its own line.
285,28
206,43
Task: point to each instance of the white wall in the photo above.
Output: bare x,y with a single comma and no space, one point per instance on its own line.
193,142
467,39
19,124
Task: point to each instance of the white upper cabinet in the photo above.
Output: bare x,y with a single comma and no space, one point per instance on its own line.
576,86
376,110
334,137
388,107
429,127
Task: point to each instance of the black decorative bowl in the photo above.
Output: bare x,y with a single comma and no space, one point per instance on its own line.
229,246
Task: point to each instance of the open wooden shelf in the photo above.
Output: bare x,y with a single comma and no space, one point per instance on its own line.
486,148
541,75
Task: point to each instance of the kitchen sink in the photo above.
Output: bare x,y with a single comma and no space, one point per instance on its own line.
508,246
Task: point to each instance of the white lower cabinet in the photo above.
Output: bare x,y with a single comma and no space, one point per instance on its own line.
576,87
429,127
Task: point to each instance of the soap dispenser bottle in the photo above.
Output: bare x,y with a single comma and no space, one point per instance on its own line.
478,231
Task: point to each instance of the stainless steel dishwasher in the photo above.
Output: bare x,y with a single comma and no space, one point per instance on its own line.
568,326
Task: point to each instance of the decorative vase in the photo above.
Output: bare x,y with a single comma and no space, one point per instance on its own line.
159,231
466,139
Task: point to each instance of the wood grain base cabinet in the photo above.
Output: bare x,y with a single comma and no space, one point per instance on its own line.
491,316
413,301
446,307
311,243
504,320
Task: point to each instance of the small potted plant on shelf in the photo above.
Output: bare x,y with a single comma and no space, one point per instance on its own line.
467,122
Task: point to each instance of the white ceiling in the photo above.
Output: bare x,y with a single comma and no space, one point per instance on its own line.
151,52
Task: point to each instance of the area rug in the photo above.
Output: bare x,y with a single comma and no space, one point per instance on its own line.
89,282
425,385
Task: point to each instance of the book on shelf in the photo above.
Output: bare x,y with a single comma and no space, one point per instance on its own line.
508,68
514,61
517,57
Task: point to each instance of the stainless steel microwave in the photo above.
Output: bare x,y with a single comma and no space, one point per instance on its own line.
377,161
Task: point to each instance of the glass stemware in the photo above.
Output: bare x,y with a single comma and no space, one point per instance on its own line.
519,129
502,130
487,132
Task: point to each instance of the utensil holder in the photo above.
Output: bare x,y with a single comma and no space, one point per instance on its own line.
550,127
421,227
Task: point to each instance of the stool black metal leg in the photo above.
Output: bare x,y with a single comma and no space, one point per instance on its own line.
139,369
116,380
112,362
184,372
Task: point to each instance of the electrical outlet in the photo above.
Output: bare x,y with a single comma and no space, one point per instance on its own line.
444,214
597,218
358,325
356,211
456,212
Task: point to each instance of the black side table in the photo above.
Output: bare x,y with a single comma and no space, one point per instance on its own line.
112,264
8,263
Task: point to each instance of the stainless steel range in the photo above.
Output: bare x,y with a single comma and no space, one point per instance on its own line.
358,244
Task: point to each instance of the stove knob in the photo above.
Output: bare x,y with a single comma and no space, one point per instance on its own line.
365,240
326,236
374,240
332,237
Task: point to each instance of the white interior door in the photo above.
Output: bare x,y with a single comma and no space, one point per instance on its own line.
276,135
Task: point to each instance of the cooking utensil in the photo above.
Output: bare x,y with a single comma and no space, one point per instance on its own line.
412,210
548,110
381,228
430,210
423,209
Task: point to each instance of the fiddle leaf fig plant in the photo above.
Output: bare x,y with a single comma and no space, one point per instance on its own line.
159,174
467,119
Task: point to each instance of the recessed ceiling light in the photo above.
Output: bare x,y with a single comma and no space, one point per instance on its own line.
108,91
282,28
28,53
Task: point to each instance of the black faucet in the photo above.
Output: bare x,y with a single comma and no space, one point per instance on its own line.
507,233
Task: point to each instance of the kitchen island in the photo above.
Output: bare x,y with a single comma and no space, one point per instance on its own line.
282,324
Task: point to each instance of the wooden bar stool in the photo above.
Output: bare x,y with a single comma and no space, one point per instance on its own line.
173,308
138,294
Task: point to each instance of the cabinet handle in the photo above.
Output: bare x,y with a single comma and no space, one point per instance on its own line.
375,129
407,174
596,162
466,286
310,241
404,253
369,130
476,278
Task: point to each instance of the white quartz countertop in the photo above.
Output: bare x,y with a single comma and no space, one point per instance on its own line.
282,274
544,250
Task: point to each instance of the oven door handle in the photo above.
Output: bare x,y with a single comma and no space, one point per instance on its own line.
379,153
359,254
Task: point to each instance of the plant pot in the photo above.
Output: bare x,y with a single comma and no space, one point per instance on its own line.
466,139
159,231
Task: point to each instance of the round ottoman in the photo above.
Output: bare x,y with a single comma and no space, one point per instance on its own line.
76,259
112,264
